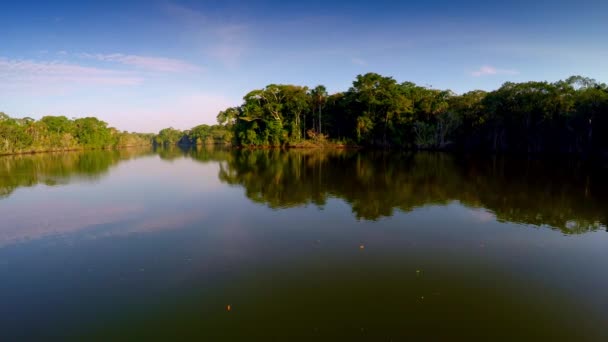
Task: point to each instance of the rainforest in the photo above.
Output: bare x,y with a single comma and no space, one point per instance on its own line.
564,117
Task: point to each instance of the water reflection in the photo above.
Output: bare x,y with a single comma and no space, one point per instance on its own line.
567,195
60,168
160,245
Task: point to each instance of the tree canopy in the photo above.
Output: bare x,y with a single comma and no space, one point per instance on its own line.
567,116
58,133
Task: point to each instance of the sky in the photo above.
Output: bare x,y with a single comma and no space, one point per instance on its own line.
146,65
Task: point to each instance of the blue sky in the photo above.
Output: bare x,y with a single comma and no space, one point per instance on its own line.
145,65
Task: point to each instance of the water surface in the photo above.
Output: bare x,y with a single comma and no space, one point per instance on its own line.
228,244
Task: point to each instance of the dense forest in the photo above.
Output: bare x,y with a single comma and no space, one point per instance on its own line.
199,135
569,116
58,133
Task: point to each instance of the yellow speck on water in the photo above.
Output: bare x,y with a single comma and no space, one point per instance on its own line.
228,307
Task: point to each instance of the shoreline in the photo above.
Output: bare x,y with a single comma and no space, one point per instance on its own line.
3,154
337,146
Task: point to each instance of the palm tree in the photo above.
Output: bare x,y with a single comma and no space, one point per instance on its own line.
319,96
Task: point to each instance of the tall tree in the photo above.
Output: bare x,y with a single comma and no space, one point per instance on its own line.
319,96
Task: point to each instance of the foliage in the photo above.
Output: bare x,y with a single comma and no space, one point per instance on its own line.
168,136
199,135
569,116
58,133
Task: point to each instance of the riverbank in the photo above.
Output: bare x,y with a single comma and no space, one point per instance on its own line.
304,144
71,149
323,144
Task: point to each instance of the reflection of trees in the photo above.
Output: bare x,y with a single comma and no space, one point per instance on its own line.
171,152
199,153
565,195
59,168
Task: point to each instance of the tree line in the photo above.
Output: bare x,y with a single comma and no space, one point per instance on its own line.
58,133
567,116
199,135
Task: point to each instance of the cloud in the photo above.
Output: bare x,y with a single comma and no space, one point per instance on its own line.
220,38
19,72
53,221
487,70
358,61
482,215
230,46
542,50
145,62
184,13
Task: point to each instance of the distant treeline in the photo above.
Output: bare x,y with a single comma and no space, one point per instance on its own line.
199,135
58,133
569,116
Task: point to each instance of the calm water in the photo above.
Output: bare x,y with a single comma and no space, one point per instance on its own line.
274,245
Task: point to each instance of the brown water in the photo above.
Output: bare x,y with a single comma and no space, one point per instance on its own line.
275,245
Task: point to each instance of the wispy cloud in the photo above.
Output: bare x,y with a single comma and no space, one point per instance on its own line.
218,37
578,51
358,61
230,46
19,72
488,70
30,227
145,62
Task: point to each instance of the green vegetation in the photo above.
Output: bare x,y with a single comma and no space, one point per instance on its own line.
58,133
199,135
568,116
